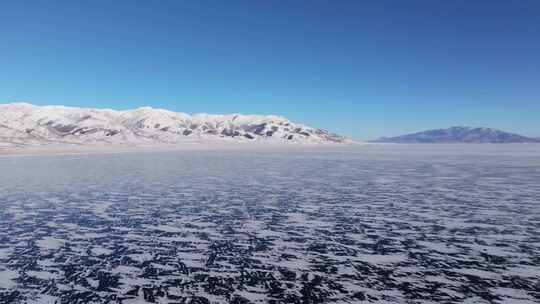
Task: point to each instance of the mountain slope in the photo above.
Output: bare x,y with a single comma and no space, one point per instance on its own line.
24,124
459,135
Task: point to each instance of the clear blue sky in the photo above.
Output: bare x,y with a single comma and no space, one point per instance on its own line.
361,68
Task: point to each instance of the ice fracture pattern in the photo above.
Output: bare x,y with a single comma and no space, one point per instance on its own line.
270,227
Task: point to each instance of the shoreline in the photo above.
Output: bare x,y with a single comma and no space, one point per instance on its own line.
361,148
57,150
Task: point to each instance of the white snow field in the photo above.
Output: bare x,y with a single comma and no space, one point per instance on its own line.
351,224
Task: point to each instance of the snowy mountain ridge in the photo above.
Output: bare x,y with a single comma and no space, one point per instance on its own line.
460,134
23,124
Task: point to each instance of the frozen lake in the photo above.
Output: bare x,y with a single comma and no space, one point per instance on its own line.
374,223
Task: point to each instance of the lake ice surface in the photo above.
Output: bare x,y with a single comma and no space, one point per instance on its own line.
373,223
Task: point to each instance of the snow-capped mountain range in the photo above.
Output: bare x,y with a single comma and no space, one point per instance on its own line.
460,135
23,124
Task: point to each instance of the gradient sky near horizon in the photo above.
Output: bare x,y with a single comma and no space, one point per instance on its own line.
360,68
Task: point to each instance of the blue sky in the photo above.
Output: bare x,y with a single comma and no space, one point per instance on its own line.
361,68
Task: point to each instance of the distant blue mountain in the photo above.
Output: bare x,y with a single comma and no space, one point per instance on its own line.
460,135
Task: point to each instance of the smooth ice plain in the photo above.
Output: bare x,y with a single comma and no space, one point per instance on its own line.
371,223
